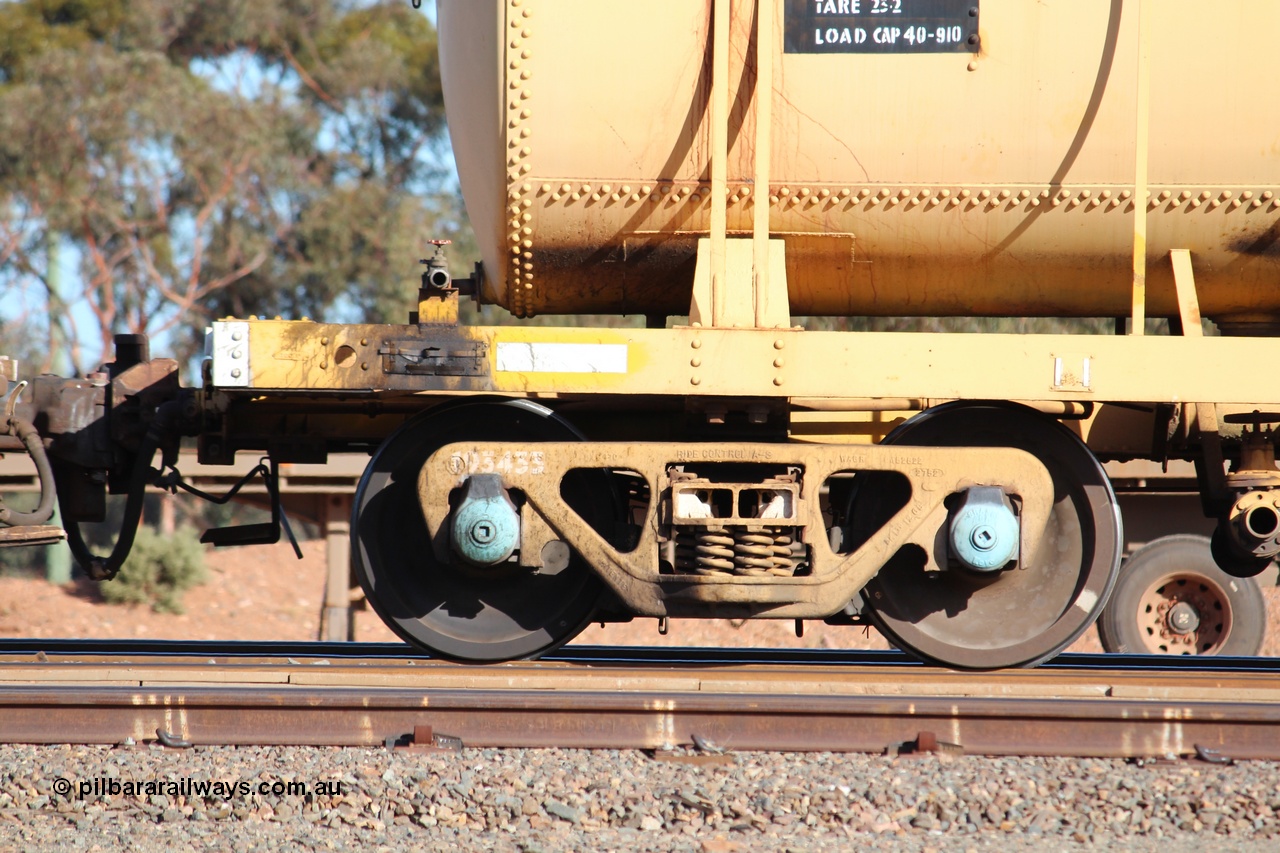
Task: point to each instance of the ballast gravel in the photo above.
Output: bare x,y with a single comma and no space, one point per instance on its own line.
552,800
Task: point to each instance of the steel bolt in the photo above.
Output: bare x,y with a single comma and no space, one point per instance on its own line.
983,538
483,532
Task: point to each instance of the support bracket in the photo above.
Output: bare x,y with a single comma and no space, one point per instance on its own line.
1185,283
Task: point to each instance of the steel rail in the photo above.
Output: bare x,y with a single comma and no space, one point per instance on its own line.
662,655
588,719
835,706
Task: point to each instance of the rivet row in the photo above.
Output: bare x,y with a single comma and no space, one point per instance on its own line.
909,198
520,193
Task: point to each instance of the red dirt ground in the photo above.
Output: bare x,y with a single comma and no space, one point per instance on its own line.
264,593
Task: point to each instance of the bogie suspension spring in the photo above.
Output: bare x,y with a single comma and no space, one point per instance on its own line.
736,551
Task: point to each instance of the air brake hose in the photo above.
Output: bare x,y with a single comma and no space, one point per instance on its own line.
31,440
100,568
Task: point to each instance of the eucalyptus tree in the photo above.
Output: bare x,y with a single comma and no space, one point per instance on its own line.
165,162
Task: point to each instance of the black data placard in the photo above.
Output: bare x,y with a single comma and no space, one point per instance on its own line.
882,26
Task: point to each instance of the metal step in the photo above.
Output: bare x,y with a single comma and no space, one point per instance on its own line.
36,534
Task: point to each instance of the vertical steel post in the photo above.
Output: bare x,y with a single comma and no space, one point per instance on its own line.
765,23
336,624
719,157
1142,146
57,557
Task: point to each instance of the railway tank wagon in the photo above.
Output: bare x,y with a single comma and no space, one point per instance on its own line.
724,168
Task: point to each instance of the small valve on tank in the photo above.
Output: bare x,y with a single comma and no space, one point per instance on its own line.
437,275
438,297
438,282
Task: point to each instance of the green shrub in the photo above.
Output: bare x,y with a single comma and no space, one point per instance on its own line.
159,569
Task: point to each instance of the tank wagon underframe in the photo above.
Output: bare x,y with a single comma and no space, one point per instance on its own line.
281,357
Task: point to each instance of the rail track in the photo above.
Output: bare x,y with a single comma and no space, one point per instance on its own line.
66,691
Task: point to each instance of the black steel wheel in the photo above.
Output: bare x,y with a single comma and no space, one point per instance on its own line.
1173,599
450,609
1015,617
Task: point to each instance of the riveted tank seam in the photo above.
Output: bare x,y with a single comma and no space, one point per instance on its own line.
986,197
521,229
